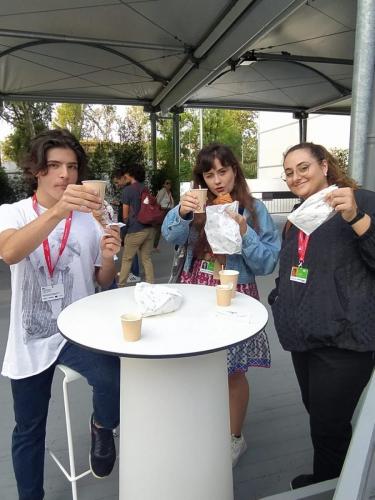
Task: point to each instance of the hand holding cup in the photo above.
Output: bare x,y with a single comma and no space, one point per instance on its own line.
110,244
188,203
193,201
77,198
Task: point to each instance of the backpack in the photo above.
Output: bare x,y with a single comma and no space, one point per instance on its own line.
150,212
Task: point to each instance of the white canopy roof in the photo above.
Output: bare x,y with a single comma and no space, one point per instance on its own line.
170,53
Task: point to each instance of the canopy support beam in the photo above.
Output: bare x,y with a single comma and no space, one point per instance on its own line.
32,35
154,76
360,163
176,143
302,122
153,140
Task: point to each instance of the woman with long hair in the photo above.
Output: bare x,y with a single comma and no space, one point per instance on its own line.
218,170
327,320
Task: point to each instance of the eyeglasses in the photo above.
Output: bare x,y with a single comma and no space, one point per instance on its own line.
301,169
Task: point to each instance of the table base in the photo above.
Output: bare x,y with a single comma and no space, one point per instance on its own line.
175,435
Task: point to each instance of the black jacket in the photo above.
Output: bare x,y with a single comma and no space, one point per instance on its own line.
336,307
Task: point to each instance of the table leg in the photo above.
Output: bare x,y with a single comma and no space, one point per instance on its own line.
175,435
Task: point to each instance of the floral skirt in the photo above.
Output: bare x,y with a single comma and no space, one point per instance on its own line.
252,352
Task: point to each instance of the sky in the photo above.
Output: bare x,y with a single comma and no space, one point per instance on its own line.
5,129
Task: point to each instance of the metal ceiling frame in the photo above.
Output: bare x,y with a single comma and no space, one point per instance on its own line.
154,76
301,61
33,35
255,21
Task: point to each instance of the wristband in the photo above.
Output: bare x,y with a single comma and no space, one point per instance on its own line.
359,216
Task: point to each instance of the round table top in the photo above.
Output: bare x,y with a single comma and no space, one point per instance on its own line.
199,326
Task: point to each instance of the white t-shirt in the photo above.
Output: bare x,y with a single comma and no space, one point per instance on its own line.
34,341
165,198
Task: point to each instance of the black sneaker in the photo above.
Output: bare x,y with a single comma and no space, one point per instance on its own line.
301,481
103,451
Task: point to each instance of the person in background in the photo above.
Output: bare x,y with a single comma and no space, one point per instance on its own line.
219,170
326,320
166,202
55,250
119,180
139,237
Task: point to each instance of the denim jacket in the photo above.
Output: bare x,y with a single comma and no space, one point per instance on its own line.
260,250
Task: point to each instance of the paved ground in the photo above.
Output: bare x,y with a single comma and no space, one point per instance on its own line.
276,426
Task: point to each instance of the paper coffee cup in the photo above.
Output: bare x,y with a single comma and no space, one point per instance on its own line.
99,186
229,276
224,294
131,326
202,200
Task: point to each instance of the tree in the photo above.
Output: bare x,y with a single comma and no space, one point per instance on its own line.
6,191
101,122
342,156
27,119
72,117
237,129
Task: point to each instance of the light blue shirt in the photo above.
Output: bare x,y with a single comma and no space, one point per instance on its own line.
260,249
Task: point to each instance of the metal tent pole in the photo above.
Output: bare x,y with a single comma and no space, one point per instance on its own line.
363,74
176,143
153,140
301,116
369,178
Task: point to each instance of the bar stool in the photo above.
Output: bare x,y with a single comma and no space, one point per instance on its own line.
69,376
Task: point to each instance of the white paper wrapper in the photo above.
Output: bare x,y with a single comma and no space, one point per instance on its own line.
313,212
156,299
223,233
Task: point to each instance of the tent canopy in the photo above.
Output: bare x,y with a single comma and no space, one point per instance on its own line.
250,54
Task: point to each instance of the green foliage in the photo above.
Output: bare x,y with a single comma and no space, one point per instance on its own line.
342,156
104,157
6,191
237,129
70,116
97,126
21,189
162,174
27,120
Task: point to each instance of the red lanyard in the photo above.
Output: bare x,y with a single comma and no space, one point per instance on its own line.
303,240
46,248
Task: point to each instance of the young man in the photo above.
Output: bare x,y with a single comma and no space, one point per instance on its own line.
120,181
55,248
139,237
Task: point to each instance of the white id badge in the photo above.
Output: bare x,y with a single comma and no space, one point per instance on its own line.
207,267
52,292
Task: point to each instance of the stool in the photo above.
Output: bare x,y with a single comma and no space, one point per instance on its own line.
69,376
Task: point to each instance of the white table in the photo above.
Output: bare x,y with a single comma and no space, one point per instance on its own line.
174,431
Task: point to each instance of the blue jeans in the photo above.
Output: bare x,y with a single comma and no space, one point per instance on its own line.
31,397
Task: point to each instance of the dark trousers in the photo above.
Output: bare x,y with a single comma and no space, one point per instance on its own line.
331,382
31,397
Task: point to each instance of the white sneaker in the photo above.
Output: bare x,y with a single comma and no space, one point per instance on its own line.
132,278
239,447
